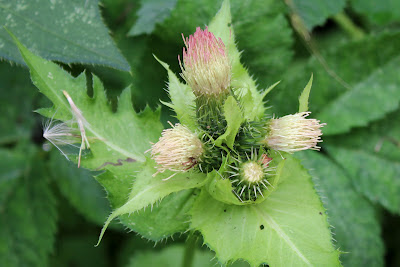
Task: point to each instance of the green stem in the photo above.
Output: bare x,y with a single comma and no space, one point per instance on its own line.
190,249
348,25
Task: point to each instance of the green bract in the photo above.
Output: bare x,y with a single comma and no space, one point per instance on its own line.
276,218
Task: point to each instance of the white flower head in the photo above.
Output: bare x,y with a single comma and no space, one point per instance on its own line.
178,149
293,133
206,66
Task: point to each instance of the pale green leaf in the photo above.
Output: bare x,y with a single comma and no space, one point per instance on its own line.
66,31
234,118
288,229
369,100
241,81
148,189
376,178
116,139
163,219
316,12
303,99
354,220
28,210
182,98
151,13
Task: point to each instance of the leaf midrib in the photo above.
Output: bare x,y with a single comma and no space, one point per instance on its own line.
281,233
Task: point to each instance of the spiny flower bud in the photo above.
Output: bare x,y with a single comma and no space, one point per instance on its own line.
293,133
206,69
178,149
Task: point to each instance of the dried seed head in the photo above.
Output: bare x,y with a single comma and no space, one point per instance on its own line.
293,133
206,67
178,149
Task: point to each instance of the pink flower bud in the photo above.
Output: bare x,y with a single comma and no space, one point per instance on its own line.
206,67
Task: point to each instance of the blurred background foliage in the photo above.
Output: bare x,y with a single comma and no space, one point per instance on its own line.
51,211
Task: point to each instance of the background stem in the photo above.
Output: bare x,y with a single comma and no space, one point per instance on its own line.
190,247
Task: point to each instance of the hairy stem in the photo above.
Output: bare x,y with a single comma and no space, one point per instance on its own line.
189,251
348,25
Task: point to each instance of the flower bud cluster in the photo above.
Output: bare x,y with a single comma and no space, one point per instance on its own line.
207,71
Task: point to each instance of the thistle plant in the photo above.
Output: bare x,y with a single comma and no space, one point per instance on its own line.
226,168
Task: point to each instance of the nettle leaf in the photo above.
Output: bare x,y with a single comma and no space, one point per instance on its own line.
28,210
17,95
288,229
147,189
151,13
66,31
376,178
369,100
241,81
234,118
316,12
182,98
348,211
384,13
118,138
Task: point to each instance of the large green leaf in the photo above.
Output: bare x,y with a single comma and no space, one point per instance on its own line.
355,224
384,13
378,179
67,31
118,138
28,211
151,13
369,100
288,229
316,12
149,188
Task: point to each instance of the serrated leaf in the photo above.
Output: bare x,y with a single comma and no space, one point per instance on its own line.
316,12
118,138
66,31
182,98
165,218
28,213
147,189
287,229
354,220
220,25
369,100
384,13
303,99
374,177
151,13
234,118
